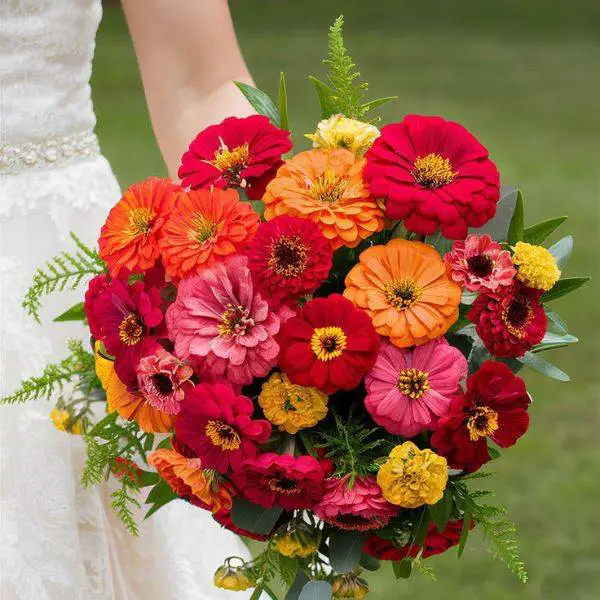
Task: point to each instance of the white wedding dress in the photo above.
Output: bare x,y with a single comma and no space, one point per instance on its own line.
58,542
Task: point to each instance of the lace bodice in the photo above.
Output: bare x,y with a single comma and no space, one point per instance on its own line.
45,66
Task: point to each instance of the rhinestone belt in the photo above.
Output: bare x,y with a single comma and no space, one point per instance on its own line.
48,152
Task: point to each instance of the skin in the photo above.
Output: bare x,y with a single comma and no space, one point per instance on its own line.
188,57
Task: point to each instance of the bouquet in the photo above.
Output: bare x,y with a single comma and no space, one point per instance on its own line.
320,347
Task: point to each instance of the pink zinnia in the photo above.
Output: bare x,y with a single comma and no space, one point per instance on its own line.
219,321
161,378
358,507
478,262
408,390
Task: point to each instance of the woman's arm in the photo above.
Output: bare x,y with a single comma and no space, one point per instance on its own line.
188,56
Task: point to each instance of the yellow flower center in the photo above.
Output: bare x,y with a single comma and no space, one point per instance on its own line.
130,330
235,321
403,293
329,187
222,435
283,485
433,171
328,342
202,228
517,315
482,422
288,256
140,222
231,162
413,383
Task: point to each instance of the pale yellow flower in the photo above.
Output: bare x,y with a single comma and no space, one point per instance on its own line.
341,132
291,407
536,267
349,586
412,477
298,540
232,578
62,420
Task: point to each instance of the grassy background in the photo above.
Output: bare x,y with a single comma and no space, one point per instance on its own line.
523,76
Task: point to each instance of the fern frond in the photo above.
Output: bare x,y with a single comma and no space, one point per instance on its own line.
99,458
123,502
65,271
424,568
342,74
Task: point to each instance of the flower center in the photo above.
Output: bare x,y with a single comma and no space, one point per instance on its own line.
433,171
162,384
288,256
290,402
283,485
130,330
328,342
481,265
202,228
231,162
483,421
355,522
222,435
140,222
517,315
235,320
328,188
402,293
413,383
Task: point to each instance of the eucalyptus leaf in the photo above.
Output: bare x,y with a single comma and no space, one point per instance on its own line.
439,242
553,340
562,250
326,98
260,101
75,313
559,325
515,229
543,366
370,563
297,587
316,590
536,234
563,287
345,548
497,227
283,102
254,518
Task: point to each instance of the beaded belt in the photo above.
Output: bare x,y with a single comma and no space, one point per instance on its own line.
48,152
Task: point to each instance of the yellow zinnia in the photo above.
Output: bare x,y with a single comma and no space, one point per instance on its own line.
291,407
341,132
412,477
537,268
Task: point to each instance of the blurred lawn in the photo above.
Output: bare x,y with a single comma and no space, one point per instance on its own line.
523,76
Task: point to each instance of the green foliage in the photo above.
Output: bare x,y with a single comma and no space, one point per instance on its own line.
75,313
536,234
561,251
260,101
345,548
122,501
65,271
543,366
55,376
563,287
283,102
516,227
254,518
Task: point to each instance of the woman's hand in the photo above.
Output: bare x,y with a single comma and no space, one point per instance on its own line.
188,56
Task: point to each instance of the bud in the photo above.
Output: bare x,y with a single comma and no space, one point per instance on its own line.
297,540
232,578
349,586
64,420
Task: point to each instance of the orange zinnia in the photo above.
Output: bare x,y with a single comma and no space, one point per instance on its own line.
129,237
205,226
187,478
130,406
327,187
404,288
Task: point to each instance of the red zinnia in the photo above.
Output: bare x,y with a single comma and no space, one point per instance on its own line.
95,288
434,543
330,345
494,405
129,238
511,324
433,173
289,257
281,480
217,425
236,153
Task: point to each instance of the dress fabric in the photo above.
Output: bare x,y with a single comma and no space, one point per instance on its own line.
57,541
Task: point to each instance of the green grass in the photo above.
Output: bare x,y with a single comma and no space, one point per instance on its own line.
523,76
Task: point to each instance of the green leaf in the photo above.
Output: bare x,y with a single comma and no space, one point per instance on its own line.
497,228
254,518
261,103
296,589
367,106
562,250
441,511
283,102
464,533
159,495
552,341
559,325
259,207
75,313
439,242
326,98
402,568
316,590
493,452
515,229
147,478
370,563
563,287
543,366
536,234
345,548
